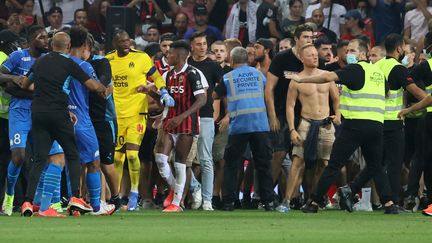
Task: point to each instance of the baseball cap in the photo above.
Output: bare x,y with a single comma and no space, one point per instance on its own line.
200,9
7,37
268,44
353,13
53,10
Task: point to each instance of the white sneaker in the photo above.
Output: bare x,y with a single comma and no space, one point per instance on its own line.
104,210
363,206
207,206
197,199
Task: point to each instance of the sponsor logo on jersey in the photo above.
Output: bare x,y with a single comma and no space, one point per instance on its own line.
177,89
131,65
118,81
140,128
25,59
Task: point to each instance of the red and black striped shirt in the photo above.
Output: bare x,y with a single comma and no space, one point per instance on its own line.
183,87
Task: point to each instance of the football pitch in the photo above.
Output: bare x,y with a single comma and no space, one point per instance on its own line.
238,226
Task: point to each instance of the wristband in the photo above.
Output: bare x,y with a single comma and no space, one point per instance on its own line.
290,131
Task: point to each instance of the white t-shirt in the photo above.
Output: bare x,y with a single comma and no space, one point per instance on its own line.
68,7
415,20
337,17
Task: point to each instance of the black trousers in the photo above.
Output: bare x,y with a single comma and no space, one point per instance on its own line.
262,153
370,138
47,127
427,149
392,160
414,129
5,154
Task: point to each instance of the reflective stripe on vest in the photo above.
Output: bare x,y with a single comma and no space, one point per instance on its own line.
368,103
234,96
246,111
429,88
394,101
4,103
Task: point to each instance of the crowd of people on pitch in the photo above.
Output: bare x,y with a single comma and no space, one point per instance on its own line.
157,119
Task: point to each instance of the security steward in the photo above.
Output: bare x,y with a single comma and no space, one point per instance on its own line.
397,79
362,105
244,89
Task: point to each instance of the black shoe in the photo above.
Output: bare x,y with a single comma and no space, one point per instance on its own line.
424,203
238,204
345,198
228,207
124,200
310,207
410,203
377,207
296,203
269,206
158,200
116,202
255,203
394,209
246,203
217,203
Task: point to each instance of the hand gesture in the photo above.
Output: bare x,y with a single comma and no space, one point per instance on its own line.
295,138
74,118
223,123
166,99
401,115
336,119
274,124
143,89
174,122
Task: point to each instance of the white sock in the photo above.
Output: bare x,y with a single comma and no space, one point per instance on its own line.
180,182
165,169
366,194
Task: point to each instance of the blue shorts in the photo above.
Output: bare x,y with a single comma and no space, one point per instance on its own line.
87,145
19,127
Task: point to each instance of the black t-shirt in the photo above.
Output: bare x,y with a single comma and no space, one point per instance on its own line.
219,14
265,12
288,27
243,32
213,73
329,34
353,76
50,74
421,74
332,67
283,63
97,104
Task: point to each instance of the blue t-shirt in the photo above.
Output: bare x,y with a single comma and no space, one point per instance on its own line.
19,63
387,19
79,95
212,33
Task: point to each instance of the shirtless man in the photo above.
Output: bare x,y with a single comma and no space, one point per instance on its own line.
315,112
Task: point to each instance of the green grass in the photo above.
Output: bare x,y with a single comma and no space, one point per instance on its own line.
237,226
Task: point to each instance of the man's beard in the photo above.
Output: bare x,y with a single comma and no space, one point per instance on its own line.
259,59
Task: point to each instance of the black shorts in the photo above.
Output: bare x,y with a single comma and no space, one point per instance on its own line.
106,134
281,140
148,143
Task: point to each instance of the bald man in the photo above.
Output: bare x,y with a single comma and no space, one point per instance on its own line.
51,119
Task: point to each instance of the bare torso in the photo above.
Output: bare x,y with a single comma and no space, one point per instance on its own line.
314,98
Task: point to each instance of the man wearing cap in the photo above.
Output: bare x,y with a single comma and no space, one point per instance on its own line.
333,14
201,25
318,19
55,19
68,6
263,54
355,26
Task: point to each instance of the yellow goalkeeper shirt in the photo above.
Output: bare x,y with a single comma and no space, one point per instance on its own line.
128,73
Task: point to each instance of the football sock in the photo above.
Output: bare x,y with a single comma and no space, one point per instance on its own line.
93,180
165,170
180,170
13,172
57,190
51,181
119,159
134,168
39,189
